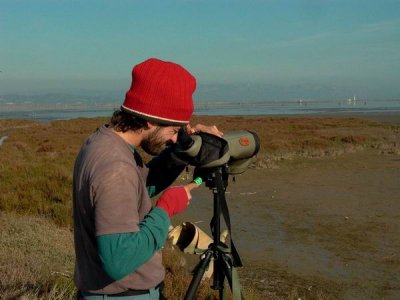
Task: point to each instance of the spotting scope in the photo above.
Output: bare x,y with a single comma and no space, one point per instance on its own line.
235,149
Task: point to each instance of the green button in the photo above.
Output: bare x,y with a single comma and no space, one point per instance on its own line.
198,181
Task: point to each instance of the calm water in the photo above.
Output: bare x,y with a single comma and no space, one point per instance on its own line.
47,112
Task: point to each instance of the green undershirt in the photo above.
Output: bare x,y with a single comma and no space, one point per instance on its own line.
123,253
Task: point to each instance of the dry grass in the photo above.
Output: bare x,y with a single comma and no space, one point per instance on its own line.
36,166
36,259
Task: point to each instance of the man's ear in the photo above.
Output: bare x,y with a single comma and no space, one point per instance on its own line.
150,125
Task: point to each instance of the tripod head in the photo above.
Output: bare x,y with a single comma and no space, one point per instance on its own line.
208,175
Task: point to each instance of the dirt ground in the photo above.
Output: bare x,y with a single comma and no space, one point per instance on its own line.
315,228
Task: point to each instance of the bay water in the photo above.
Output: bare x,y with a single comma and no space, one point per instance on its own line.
55,111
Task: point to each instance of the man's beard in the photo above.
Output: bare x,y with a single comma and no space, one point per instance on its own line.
154,143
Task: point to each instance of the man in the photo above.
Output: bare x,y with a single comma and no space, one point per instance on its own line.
118,235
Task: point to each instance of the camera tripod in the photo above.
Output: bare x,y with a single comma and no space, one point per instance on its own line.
225,259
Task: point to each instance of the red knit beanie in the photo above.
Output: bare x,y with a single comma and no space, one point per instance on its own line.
161,92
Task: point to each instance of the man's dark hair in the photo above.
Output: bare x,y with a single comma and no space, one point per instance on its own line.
123,121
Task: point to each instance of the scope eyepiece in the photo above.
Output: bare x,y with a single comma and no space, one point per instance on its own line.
184,139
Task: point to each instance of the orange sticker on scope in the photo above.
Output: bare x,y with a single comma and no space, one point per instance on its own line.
244,141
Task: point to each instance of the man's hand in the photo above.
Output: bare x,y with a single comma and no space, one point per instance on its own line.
176,199
189,187
203,128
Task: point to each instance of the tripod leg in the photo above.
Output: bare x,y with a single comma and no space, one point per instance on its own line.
219,274
198,275
232,276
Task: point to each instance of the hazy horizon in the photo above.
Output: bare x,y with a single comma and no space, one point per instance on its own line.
246,92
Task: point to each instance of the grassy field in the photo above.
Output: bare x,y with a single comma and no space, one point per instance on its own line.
37,159
36,253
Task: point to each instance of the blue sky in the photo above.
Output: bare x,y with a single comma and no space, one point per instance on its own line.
237,50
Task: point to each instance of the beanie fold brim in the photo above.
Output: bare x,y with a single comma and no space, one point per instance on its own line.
153,118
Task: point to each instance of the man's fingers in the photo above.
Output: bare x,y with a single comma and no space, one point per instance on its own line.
203,128
192,186
189,187
216,131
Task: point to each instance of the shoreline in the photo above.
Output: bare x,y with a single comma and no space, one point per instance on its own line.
381,116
